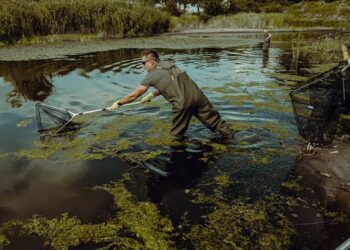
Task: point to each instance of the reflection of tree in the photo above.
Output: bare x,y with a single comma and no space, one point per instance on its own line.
28,85
32,80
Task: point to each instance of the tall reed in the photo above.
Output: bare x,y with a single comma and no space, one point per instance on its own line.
25,18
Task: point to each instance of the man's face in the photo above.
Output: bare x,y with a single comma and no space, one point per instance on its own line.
148,63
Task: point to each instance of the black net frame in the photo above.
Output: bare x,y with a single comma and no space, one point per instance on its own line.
318,104
55,119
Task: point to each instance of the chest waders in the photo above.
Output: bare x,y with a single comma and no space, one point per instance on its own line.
188,100
266,43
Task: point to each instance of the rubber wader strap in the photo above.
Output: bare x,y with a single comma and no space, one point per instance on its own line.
172,66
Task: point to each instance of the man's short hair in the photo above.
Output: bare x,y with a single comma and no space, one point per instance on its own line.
150,53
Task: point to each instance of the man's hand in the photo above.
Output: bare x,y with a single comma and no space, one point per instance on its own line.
148,98
115,105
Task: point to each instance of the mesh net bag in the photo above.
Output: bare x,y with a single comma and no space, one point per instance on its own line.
54,119
316,105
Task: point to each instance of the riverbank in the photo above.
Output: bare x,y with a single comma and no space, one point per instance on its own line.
60,49
62,46
327,170
245,31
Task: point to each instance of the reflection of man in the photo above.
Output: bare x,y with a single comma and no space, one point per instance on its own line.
265,60
266,41
184,167
183,93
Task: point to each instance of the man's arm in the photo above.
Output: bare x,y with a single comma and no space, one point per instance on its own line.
140,90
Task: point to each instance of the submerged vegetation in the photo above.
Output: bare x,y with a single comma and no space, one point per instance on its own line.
136,225
243,226
108,18
227,224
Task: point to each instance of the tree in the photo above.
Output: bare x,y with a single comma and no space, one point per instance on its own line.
212,7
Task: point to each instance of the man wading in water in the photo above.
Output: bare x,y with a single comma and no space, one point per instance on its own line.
178,88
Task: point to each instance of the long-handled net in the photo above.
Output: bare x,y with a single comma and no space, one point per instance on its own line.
55,119
317,104
50,118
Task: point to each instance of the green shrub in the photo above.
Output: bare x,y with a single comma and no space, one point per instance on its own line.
26,18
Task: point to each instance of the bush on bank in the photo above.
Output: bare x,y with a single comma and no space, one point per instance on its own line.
112,18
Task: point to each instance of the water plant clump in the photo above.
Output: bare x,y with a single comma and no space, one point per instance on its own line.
136,225
225,228
83,147
266,223
241,225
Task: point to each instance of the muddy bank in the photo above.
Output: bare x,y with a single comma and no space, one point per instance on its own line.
65,48
186,39
245,31
327,171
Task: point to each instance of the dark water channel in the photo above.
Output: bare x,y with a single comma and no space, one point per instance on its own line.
50,176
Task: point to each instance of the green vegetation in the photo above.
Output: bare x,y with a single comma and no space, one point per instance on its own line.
326,50
243,226
186,21
304,14
136,225
218,7
109,18
26,22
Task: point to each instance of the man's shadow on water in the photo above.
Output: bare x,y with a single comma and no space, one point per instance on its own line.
178,169
170,177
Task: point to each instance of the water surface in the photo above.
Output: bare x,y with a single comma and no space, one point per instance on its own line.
53,175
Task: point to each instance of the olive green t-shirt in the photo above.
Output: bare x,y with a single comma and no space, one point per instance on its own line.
159,79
